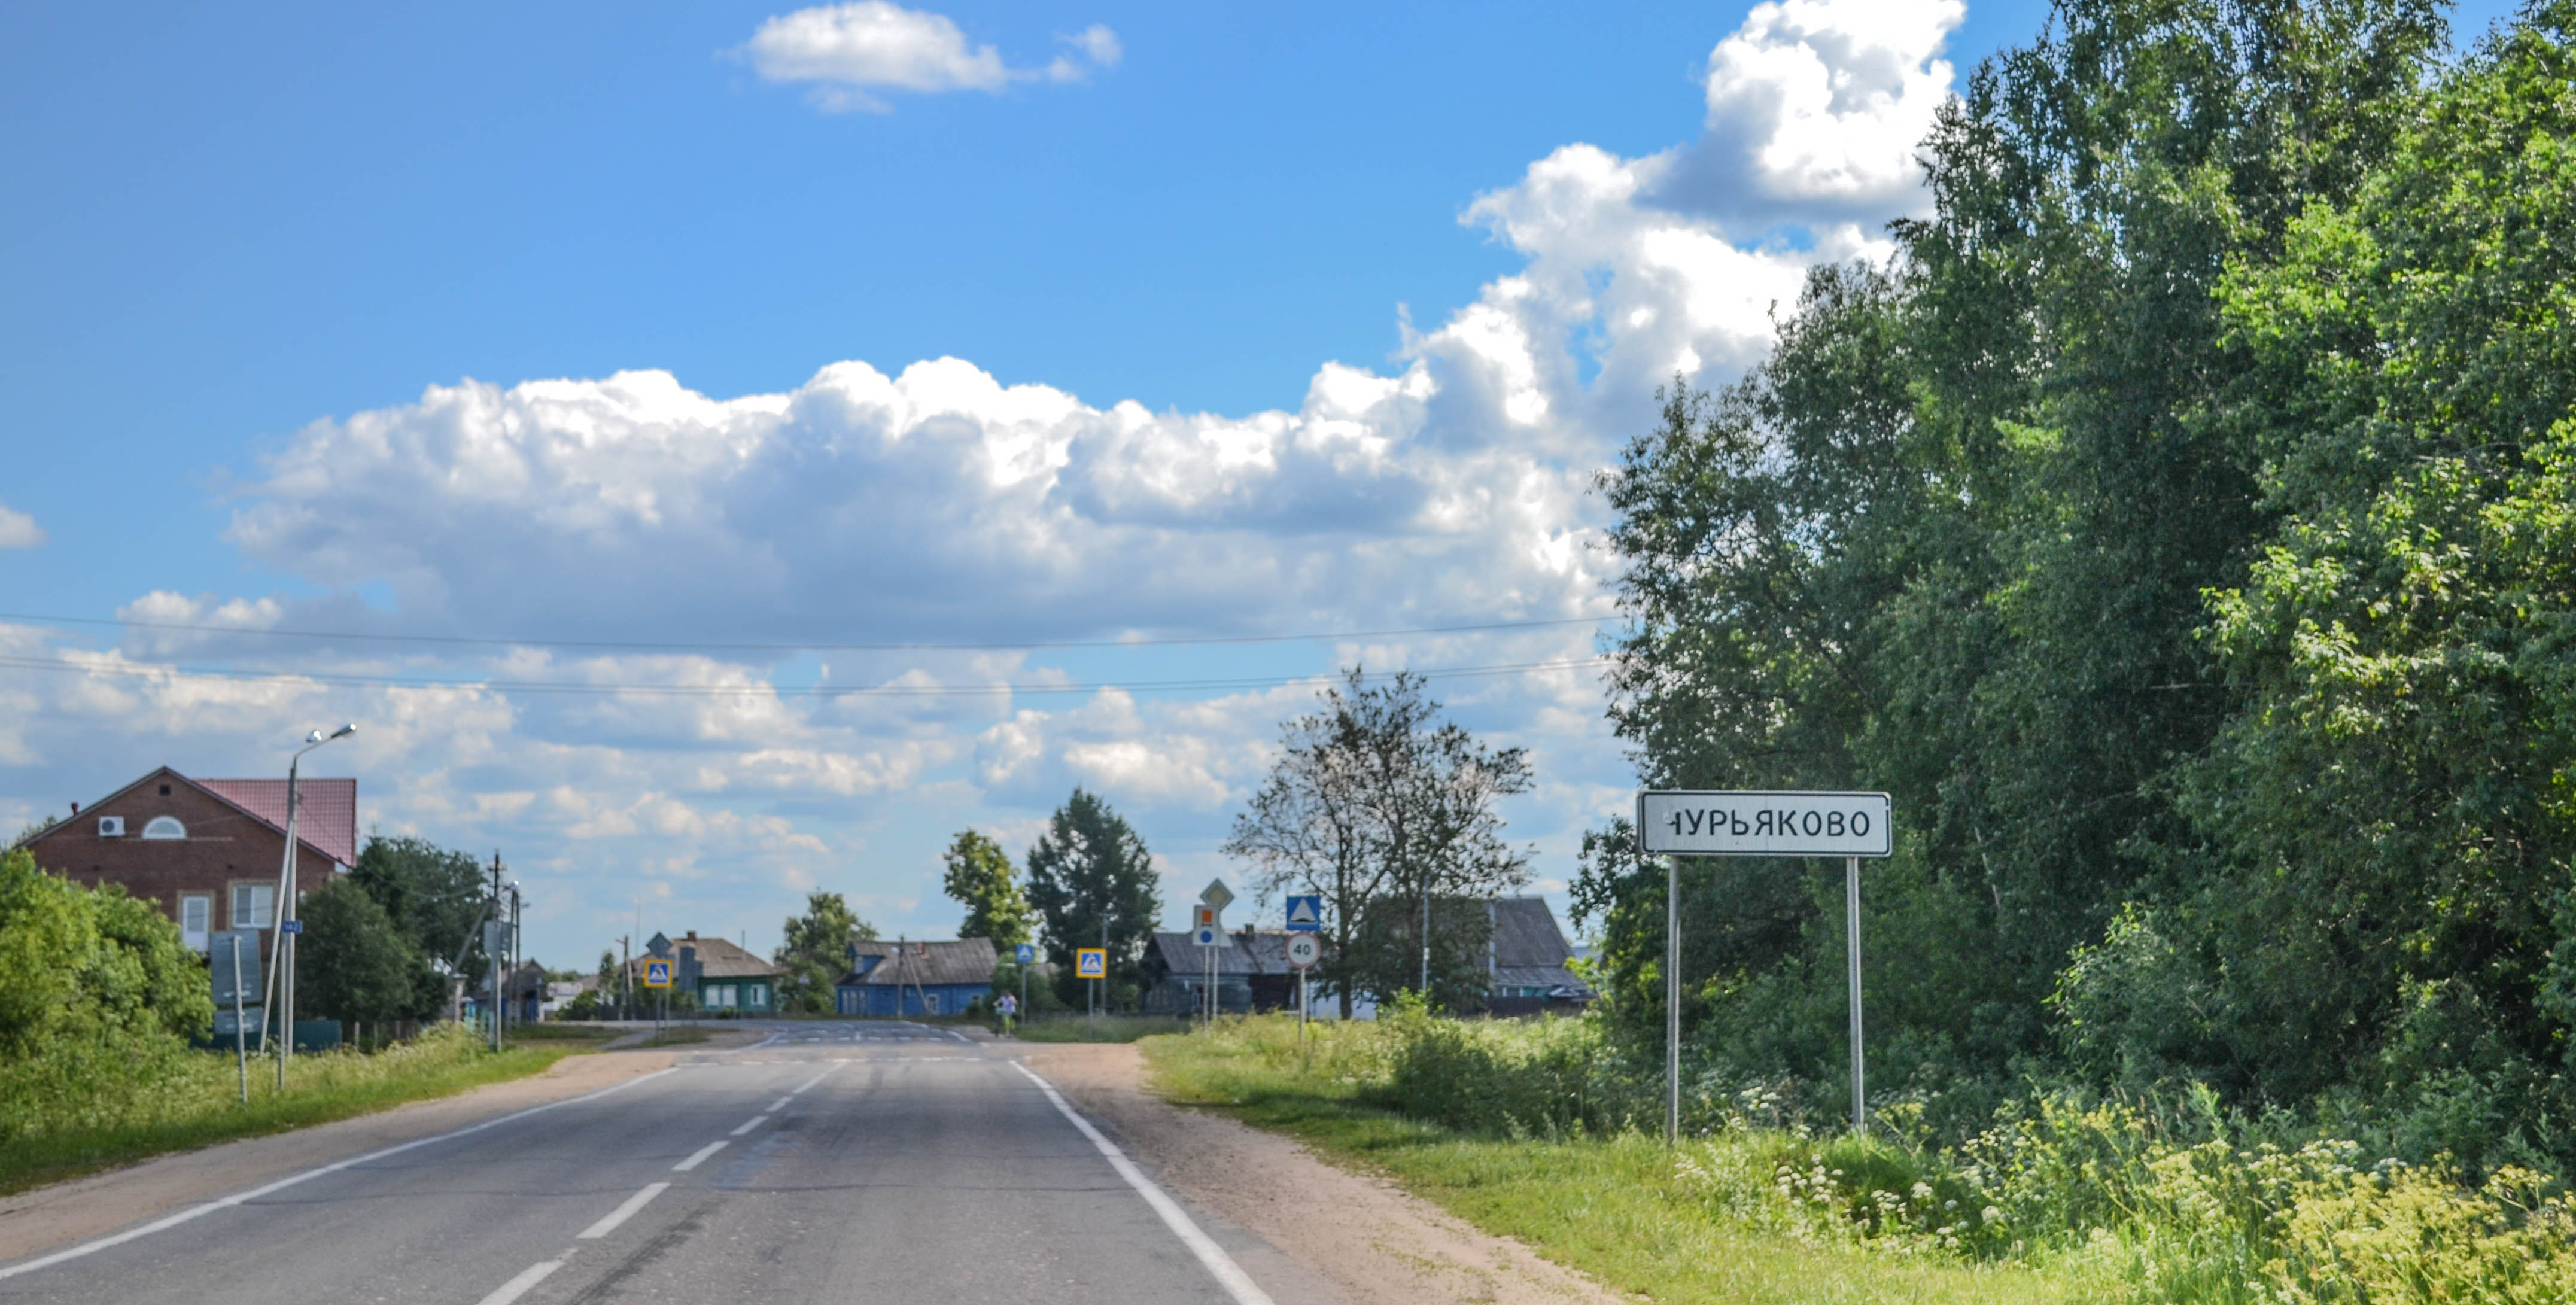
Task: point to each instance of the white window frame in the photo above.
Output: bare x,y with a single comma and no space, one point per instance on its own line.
160,829
197,939
930,1003
253,919
756,996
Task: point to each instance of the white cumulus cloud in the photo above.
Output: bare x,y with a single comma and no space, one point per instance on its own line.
18,530
850,52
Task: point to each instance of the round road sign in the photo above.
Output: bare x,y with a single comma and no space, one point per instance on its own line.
1304,949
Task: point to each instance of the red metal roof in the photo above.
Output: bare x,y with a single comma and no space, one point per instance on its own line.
329,820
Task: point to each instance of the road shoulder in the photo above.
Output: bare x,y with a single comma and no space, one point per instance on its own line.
45,1218
1375,1244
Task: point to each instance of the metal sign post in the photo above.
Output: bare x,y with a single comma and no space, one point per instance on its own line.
1305,922
1675,823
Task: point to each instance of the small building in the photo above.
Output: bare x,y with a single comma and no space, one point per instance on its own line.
904,978
206,851
726,979
1252,973
1525,961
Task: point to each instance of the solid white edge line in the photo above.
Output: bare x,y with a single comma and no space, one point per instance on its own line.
518,1286
1230,1275
700,1158
749,1124
239,1198
625,1211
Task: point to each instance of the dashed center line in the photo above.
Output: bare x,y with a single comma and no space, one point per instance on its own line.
749,1124
779,1104
799,1089
624,1212
519,1286
699,1158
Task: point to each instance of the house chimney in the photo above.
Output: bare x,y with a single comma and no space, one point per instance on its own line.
693,935
76,808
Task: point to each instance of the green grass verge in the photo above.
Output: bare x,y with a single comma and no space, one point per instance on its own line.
1616,1209
1106,1028
204,1110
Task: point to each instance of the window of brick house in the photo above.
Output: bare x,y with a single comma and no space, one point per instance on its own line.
165,828
254,906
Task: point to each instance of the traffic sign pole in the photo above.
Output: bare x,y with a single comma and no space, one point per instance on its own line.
1675,823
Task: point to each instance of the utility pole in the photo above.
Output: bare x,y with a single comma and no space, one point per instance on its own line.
492,949
281,954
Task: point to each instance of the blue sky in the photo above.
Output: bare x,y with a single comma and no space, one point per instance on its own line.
225,227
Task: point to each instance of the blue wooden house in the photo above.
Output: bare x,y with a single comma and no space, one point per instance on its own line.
914,978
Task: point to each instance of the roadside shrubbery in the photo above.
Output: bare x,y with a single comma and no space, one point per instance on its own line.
2170,1200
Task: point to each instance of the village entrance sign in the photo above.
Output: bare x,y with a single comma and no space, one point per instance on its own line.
1677,823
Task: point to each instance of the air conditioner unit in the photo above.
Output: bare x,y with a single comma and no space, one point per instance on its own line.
111,826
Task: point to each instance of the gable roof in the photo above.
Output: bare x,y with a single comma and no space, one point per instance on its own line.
328,821
1525,935
966,961
308,831
1246,951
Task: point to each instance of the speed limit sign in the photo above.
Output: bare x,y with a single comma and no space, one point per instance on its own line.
1304,949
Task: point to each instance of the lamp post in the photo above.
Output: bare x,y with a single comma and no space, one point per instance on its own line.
281,943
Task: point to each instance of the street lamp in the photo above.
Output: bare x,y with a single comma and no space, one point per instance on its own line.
281,945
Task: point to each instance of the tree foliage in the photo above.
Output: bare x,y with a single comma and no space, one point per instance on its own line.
1090,878
1380,807
2178,528
980,877
101,998
352,963
816,950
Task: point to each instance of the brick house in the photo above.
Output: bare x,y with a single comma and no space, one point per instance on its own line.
206,851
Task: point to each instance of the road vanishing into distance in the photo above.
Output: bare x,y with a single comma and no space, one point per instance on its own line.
874,1162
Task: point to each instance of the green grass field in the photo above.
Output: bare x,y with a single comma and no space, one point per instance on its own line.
202,1108
1618,1209
1106,1028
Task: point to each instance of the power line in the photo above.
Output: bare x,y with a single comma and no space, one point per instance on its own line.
349,680
633,645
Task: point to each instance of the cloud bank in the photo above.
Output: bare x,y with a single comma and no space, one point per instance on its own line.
850,52
931,501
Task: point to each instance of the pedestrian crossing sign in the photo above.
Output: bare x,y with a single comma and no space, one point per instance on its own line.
657,974
1306,914
1026,954
1090,963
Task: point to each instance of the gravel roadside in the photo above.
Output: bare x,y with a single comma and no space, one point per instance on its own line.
1375,1244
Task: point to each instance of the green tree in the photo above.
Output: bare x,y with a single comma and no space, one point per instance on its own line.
1952,539
1090,877
433,895
980,878
816,950
352,963
101,999
1384,809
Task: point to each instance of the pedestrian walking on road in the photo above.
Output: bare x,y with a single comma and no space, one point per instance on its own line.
1008,1006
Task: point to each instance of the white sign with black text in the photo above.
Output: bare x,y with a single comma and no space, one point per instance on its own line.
1687,822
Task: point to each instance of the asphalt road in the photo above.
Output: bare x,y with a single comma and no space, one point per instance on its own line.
866,1162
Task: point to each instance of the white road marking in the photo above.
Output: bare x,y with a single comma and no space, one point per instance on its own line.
799,1089
1230,1275
625,1211
779,1104
518,1286
240,1198
700,1158
754,1122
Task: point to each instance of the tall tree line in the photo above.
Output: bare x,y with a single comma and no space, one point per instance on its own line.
2178,528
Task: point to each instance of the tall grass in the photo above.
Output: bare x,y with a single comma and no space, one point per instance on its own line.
1101,1028
2065,1198
192,1100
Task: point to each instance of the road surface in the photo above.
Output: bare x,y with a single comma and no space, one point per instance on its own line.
839,1162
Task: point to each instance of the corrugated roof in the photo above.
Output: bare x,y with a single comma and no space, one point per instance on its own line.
967,961
1525,934
1258,952
717,958
329,820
